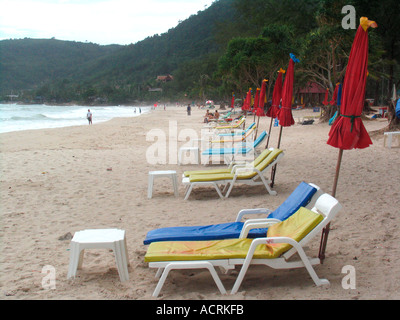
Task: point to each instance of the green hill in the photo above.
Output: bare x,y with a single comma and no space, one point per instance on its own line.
87,69
29,63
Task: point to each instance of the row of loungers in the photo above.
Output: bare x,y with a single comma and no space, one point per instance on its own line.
269,241
253,174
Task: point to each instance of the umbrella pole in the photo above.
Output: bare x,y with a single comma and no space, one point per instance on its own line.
274,167
269,133
325,231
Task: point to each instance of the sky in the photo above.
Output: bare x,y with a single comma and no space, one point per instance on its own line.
97,21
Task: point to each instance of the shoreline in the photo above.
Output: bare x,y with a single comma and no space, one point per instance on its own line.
39,117
59,181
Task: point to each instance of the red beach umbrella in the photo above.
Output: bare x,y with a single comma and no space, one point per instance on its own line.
285,116
276,100
256,100
258,109
276,96
233,101
334,96
247,102
348,131
325,102
263,93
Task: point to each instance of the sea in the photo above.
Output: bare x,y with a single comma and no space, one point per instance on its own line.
17,117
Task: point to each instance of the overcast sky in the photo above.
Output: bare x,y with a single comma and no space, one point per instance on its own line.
97,21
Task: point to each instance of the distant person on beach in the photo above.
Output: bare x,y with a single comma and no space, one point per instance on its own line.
207,116
216,115
189,109
89,116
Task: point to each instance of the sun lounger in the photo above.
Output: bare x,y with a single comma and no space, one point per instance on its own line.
283,240
237,132
231,167
231,139
232,126
304,195
250,175
242,149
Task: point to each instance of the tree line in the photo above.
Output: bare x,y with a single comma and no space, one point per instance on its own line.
229,47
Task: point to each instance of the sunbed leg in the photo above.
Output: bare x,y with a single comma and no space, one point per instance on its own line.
189,265
159,272
245,266
230,187
310,269
188,192
161,281
267,186
218,191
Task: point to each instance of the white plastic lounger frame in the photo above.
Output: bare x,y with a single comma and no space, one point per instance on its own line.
256,180
327,205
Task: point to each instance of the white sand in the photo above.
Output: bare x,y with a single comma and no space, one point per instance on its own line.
56,181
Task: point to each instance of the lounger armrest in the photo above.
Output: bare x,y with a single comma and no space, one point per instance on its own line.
271,240
238,166
262,220
262,223
244,212
245,169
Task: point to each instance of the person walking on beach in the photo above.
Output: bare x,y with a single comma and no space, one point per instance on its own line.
89,116
189,109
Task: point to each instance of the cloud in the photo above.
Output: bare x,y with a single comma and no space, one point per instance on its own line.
98,21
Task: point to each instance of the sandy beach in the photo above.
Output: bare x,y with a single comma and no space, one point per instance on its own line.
55,182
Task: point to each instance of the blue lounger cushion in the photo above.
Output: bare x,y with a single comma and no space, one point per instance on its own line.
300,197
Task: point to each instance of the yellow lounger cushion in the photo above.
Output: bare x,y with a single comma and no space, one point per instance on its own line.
241,176
256,162
241,139
296,227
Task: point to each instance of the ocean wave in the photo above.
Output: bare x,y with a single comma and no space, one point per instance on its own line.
24,117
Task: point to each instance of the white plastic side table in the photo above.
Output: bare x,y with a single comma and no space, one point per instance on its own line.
166,173
113,239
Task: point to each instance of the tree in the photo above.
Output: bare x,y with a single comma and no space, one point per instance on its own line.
248,61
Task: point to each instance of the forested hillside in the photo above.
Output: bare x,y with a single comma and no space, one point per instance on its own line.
65,70
29,63
230,46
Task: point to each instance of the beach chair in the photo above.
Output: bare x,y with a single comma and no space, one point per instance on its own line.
225,117
283,240
237,132
305,195
235,138
250,175
241,150
232,126
231,167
